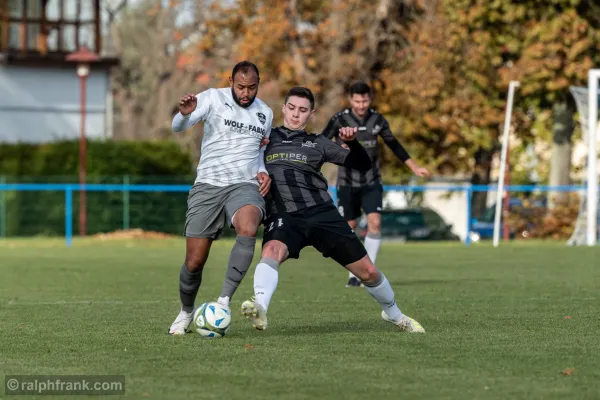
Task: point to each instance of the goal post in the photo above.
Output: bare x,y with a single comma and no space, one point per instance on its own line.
506,132
592,172
586,99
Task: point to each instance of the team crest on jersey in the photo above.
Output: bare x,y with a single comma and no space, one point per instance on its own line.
262,118
309,144
376,129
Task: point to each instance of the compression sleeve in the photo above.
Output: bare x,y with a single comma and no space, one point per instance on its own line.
358,158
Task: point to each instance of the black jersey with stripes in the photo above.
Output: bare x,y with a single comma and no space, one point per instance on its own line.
369,128
293,160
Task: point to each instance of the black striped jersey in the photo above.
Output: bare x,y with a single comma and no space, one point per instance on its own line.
369,128
293,160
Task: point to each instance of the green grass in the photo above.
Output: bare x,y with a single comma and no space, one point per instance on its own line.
495,321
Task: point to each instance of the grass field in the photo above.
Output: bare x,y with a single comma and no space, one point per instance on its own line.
501,323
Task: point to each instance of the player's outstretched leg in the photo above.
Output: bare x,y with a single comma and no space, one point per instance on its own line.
379,287
266,277
190,277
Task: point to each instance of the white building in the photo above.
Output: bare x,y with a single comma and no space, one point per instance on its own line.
39,89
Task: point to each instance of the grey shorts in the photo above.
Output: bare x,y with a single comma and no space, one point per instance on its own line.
209,205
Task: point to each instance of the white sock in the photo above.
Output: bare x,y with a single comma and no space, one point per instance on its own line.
351,275
223,300
372,243
266,277
384,294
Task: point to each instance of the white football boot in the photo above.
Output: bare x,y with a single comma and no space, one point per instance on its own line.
406,323
255,313
181,323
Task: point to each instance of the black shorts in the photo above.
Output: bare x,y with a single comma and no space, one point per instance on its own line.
352,199
321,227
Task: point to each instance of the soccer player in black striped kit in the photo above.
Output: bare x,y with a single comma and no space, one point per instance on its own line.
358,190
303,214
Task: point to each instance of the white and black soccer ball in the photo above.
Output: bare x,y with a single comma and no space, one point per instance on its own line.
211,320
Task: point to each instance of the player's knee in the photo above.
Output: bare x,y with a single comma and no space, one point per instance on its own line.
371,274
275,250
195,260
194,263
368,272
247,220
196,253
248,228
374,225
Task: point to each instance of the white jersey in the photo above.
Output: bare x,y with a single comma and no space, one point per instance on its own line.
230,151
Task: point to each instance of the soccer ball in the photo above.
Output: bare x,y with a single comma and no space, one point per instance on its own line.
211,320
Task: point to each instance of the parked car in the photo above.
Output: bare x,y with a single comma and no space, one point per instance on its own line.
483,228
411,224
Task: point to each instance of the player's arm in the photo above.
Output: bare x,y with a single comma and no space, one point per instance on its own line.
263,177
355,157
399,150
264,142
192,109
332,128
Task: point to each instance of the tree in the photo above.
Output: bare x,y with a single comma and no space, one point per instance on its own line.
324,45
320,44
151,38
451,95
462,57
560,43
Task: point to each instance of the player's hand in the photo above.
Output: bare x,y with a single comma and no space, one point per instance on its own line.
265,141
421,172
347,134
188,104
265,183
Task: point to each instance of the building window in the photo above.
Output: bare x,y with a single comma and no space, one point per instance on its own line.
44,26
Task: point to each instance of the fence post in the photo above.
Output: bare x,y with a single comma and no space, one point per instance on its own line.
2,209
69,215
125,202
469,212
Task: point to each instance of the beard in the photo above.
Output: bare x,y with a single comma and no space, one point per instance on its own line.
237,100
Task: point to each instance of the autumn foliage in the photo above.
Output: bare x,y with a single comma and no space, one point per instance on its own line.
440,68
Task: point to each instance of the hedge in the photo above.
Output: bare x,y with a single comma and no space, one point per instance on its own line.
42,213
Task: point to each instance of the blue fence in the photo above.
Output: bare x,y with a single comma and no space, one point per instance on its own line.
125,188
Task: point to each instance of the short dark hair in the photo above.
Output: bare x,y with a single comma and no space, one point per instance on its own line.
303,92
244,66
359,87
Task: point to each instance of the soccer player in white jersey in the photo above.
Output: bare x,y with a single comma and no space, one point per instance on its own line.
230,184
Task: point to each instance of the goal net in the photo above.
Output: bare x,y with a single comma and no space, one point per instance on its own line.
586,226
